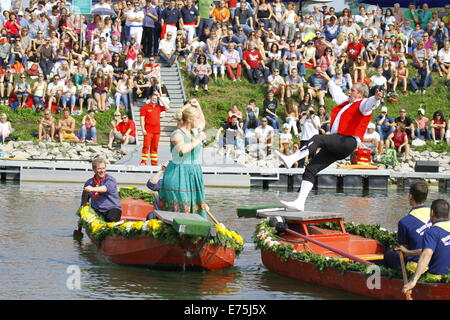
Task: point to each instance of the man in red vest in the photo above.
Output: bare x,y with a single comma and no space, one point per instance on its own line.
150,117
349,121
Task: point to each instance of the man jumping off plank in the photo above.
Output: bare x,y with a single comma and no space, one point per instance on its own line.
349,121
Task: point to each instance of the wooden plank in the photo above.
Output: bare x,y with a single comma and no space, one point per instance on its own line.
169,216
301,215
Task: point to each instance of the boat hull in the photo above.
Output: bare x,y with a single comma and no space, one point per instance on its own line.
147,251
350,281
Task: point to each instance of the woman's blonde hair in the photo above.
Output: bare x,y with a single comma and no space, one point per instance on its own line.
185,113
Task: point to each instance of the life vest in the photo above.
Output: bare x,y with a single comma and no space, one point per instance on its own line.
352,122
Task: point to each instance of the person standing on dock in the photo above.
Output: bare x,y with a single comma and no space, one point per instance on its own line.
150,116
412,227
102,191
349,121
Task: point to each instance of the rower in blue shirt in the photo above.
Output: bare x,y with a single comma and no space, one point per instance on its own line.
435,256
411,228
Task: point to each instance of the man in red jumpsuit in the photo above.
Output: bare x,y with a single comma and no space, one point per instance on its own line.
349,121
151,128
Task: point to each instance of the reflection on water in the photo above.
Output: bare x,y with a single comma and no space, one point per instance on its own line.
37,247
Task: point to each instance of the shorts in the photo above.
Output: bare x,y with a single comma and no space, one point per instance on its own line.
69,135
119,136
22,94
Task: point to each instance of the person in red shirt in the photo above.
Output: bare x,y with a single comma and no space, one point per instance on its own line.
12,26
253,60
355,49
151,128
126,130
398,140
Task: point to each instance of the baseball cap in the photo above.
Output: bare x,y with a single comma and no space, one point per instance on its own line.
371,126
384,109
421,110
285,126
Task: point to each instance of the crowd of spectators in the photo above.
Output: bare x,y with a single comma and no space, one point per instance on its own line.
65,62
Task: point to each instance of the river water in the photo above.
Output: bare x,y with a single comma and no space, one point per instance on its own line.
38,251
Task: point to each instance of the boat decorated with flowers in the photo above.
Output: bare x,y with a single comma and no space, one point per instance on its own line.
170,240
320,248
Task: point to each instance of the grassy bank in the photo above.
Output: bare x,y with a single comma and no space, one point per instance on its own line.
223,94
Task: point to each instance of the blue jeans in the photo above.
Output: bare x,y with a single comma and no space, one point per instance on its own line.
121,98
12,60
66,98
246,28
274,122
384,134
38,101
166,60
203,23
423,135
422,82
90,134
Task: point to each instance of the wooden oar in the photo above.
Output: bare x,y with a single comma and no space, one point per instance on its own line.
408,293
77,233
211,216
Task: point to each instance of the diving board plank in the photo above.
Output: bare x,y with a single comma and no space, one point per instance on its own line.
301,215
169,216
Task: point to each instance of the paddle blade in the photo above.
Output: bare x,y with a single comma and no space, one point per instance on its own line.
77,235
252,212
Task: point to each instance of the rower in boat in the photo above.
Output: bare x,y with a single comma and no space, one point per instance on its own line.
102,191
411,228
349,121
435,256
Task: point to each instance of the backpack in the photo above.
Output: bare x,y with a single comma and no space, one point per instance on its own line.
34,70
390,158
258,75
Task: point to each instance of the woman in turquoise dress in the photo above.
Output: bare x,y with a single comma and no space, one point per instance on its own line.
183,188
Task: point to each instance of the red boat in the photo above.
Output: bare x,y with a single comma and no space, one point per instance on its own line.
145,250
368,250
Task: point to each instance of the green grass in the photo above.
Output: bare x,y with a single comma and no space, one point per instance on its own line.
222,95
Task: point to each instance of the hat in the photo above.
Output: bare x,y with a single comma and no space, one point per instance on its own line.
20,13
285,126
384,109
371,125
422,111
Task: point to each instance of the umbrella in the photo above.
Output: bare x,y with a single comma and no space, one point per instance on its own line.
104,12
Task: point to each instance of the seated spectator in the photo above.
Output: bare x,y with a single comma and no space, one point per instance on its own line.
124,131
409,125
372,141
345,82
310,55
5,128
294,85
232,133
46,129
420,55
295,148
401,76
5,49
39,90
122,91
291,113
18,54
101,85
218,62
131,51
422,81
152,69
88,130
359,70
398,140
264,137
422,131
317,86
70,96
385,124
22,90
85,94
141,88
201,72
167,50
437,127
254,65
66,128
377,81
270,105
444,59
232,61
251,121
293,59
274,57
55,91
285,140
447,132
276,84
325,120
235,112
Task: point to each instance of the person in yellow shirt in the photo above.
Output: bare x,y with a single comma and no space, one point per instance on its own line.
221,13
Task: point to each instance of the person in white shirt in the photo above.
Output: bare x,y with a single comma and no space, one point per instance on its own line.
134,20
218,62
276,84
167,50
373,141
285,140
264,137
378,80
444,59
69,95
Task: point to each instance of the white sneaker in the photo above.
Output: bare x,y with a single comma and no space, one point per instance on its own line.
293,205
288,161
